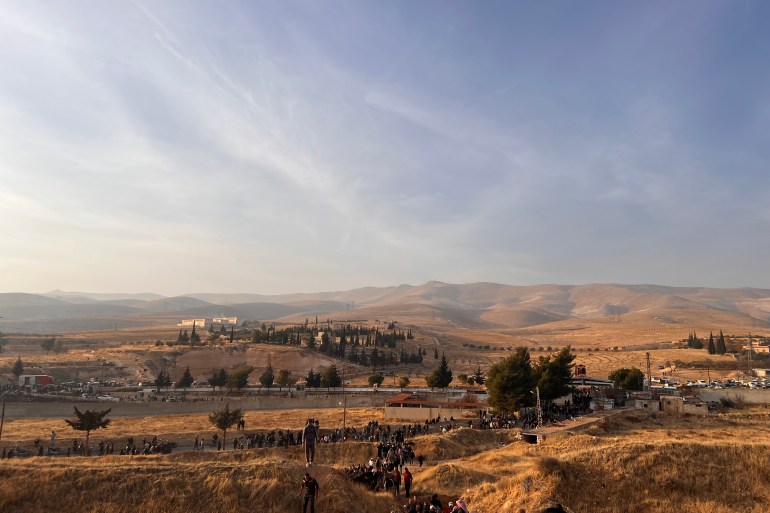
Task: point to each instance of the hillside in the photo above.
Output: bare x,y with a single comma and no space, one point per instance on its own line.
446,306
631,461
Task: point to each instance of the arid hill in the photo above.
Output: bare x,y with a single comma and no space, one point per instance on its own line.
476,305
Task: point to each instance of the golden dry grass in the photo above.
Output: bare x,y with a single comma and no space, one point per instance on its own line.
184,428
631,461
229,483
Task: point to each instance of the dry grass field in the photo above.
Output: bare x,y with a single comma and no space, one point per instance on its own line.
184,428
631,461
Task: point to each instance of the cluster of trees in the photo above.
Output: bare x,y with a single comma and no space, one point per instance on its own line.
477,378
511,383
162,380
237,378
694,342
268,377
630,379
52,344
329,378
361,345
718,346
715,345
193,338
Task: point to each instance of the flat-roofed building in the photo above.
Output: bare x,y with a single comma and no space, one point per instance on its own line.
224,321
188,323
413,407
31,380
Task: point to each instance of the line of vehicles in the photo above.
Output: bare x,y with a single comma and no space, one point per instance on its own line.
671,383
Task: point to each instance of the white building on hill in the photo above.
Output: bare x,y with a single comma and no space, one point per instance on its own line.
188,323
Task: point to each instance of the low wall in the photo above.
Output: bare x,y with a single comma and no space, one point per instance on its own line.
20,410
747,395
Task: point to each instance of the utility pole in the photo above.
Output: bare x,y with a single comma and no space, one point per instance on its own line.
539,409
649,373
344,404
2,420
751,350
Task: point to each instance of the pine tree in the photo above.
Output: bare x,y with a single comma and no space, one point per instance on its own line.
218,379
441,377
330,377
313,379
283,377
510,382
267,377
186,380
554,375
163,380
478,376
435,353
18,368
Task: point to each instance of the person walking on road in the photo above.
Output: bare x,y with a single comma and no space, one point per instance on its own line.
310,487
309,437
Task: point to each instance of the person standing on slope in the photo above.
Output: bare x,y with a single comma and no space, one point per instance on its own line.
310,487
309,437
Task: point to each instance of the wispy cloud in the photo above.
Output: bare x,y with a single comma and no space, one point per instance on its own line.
293,147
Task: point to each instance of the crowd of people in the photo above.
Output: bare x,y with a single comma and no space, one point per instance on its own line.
434,504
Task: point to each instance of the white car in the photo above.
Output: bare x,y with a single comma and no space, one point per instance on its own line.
107,398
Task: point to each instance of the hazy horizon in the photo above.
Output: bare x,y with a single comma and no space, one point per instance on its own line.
341,290
291,146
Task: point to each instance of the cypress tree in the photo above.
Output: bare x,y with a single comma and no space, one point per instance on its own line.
721,349
712,347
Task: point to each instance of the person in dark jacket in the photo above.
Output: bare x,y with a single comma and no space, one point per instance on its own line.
310,487
309,437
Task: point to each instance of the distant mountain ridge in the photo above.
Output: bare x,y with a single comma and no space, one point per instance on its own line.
476,305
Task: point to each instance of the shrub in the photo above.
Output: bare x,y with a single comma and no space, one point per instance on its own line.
727,402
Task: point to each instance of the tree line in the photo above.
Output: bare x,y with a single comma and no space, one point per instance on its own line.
365,346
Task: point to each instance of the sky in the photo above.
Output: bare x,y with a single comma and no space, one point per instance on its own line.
301,146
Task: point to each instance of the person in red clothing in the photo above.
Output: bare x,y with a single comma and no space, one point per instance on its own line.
407,481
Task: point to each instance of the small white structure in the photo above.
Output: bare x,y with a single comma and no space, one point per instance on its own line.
198,323
224,321
31,380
